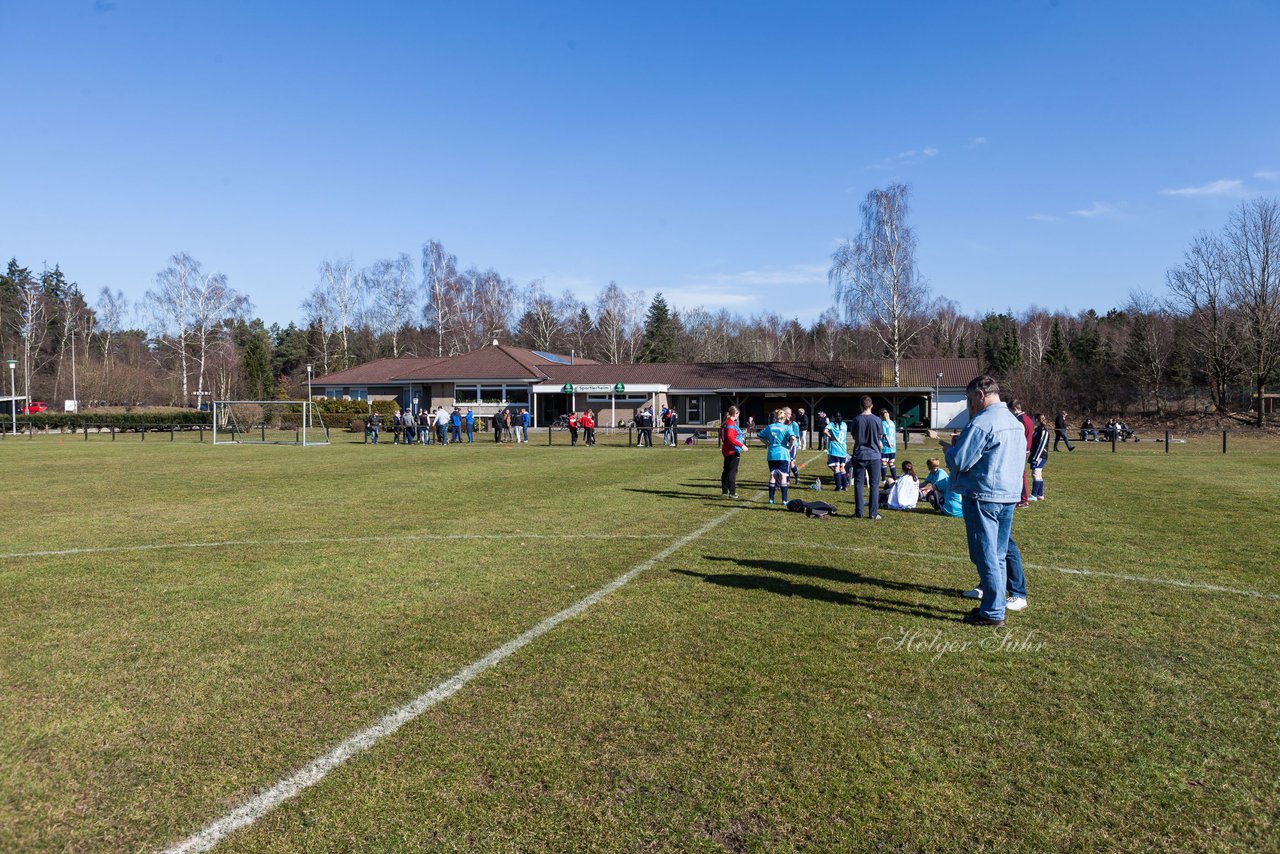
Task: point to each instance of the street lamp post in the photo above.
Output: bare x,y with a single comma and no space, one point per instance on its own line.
310,367
13,394
937,393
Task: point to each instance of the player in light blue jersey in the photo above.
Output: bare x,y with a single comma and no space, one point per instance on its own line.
777,438
889,450
837,435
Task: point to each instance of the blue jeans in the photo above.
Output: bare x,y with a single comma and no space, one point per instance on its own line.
1013,570
873,472
987,526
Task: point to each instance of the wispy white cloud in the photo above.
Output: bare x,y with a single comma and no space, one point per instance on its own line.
745,289
976,141
1268,174
1043,217
911,155
1097,209
1223,187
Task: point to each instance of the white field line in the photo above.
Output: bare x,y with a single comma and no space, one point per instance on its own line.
307,541
316,770
1138,579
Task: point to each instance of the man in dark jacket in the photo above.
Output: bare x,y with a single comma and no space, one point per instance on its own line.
866,439
1060,431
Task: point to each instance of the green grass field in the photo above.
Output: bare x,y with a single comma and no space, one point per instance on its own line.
776,683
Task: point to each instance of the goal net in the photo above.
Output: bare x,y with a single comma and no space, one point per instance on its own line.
268,422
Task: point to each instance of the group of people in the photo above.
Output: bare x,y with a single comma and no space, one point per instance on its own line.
510,426
1115,428
438,426
981,478
586,423
646,420
442,426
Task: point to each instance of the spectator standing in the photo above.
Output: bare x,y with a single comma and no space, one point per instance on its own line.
455,425
644,428
375,426
1039,456
410,434
442,426
820,425
397,427
497,427
732,448
1060,431
573,429
987,462
524,425
471,424
588,422
505,418
867,441
668,426
424,427
1028,428
802,421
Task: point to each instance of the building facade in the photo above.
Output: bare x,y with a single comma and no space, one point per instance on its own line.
550,385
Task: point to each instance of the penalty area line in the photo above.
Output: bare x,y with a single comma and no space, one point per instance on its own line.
317,769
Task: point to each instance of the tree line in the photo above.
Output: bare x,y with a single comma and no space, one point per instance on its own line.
1214,331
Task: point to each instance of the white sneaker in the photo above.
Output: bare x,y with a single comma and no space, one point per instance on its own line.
975,593
1015,603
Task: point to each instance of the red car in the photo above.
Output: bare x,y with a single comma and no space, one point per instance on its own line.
34,407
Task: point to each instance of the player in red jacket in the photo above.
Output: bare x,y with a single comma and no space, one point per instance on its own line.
732,447
1028,427
588,423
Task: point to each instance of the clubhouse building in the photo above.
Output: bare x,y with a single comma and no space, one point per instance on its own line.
930,395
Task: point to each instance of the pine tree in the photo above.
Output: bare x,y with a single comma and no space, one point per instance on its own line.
1057,356
289,350
257,366
1085,344
659,333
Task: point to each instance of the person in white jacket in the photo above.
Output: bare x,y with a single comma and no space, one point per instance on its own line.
905,492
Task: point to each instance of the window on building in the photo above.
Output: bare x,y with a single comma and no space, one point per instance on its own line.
466,394
518,394
333,393
359,394
492,394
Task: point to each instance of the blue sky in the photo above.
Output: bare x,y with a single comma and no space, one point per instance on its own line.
1060,153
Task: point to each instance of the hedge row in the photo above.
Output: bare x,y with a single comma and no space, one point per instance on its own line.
119,420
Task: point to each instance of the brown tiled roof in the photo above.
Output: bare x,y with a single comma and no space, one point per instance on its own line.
494,362
499,362
377,372
865,373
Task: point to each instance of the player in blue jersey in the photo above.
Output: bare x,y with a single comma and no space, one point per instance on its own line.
777,438
836,434
889,450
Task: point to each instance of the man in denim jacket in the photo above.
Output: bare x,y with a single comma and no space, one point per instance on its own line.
986,462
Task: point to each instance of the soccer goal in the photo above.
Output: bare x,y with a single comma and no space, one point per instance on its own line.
268,422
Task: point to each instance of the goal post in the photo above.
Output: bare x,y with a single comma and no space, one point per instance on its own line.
268,422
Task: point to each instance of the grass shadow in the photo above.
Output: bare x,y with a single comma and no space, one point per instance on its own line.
785,587
842,576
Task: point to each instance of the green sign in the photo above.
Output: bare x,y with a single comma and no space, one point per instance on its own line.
568,388
619,388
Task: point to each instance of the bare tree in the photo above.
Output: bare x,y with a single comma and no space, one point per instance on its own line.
320,316
1150,348
171,304
33,325
212,302
391,287
341,290
875,275
541,324
440,286
617,324
1198,289
112,308
1253,284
